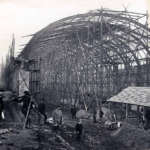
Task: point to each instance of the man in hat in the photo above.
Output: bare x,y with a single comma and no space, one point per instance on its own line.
57,118
26,101
73,111
41,111
79,128
101,113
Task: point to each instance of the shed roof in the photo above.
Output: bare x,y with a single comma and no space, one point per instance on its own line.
133,95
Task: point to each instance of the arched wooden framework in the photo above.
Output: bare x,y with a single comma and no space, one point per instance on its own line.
100,52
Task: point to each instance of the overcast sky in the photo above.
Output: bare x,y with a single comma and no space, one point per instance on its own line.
24,17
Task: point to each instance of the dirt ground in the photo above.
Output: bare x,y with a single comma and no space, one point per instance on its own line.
42,137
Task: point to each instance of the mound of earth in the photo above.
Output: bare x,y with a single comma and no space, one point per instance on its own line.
82,114
12,110
7,95
133,137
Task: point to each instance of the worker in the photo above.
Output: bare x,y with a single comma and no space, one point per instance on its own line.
113,116
147,117
1,107
79,128
113,120
41,111
94,115
101,113
73,112
142,124
57,118
26,101
14,94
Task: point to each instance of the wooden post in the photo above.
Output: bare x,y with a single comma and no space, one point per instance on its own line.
127,111
138,108
129,107
28,111
109,108
18,88
144,115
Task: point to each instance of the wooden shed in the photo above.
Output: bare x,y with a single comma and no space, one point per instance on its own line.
137,99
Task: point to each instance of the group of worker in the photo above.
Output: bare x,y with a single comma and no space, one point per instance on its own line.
57,115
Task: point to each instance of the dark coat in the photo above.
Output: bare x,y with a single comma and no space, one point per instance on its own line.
26,102
1,104
41,107
79,128
101,114
94,113
73,110
147,115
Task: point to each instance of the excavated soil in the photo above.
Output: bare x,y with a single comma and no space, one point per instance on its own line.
42,137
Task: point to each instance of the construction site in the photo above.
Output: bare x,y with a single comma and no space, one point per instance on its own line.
97,61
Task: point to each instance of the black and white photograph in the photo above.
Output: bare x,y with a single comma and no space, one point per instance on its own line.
74,75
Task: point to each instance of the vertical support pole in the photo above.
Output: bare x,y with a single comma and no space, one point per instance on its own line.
129,107
18,88
147,61
101,62
109,108
144,113
40,76
34,83
129,77
127,113
144,118
138,108
28,111
31,82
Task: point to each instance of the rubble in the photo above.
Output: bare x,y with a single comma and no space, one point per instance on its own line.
133,137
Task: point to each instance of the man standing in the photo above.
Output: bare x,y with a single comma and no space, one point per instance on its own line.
78,129
1,106
41,111
26,101
73,112
101,113
57,118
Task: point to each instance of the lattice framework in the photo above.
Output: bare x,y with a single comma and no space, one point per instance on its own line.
100,52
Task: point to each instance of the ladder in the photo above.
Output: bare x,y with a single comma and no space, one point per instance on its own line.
28,111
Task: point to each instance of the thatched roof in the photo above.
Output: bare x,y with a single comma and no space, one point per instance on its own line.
133,95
